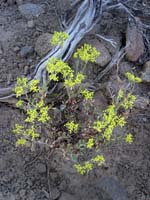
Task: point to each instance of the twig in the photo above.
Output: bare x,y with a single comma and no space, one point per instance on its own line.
110,40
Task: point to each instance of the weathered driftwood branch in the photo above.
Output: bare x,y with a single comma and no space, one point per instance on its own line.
86,17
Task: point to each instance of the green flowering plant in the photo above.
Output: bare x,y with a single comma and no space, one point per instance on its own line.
80,138
72,127
129,138
131,77
87,53
20,86
87,94
36,110
59,38
90,143
88,166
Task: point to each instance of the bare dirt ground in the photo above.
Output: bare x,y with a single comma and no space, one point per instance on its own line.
27,175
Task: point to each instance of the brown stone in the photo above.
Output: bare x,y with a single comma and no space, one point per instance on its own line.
134,43
42,45
105,56
146,73
124,67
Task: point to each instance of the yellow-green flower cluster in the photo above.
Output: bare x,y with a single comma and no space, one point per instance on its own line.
72,126
23,87
59,38
131,77
31,133
120,94
19,103
32,115
39,113
128,101
21,142
25,134
40,104
110,121
71,82
43,116
87,53
56,67
20,87
129,138
18,129
88,166
90,143
34,85
99,160
87,94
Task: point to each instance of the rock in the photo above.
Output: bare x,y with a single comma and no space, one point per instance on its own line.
3,61
56,115
29,182
16,49
10,2
105,56
113,188
9,78
41,168
66,196
22,192
30,24
31,195
134,43
124,67
141,102
64,5
42,45
26,70
19,2
55,193
1,52
30,10
1,196
25,51
100,101
146,73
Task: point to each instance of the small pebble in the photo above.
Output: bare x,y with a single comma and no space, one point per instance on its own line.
26,70
25,51
1,50
10,2
55,193
16,49
9,78
30,24
22,193
2,60
19,2
29,182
